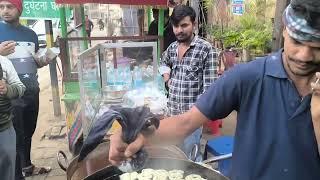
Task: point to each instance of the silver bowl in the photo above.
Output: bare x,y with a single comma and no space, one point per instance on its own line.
115,91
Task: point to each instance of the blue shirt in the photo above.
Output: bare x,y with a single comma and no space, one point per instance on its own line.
26,45
274,137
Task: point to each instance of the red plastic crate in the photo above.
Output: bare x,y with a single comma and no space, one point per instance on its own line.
214,126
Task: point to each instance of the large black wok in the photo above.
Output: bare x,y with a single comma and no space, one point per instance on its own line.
188,167
96,166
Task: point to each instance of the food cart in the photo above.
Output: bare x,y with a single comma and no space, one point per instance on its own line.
121,71
78,89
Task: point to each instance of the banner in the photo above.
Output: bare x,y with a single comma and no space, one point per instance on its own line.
124,2
41,9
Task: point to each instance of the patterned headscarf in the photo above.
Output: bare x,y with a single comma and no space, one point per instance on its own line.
311,5
298,27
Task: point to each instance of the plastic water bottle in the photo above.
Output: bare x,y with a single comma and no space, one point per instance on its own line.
137,77
110,76
118,75
127,76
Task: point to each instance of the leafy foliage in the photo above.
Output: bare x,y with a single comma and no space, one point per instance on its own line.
247,31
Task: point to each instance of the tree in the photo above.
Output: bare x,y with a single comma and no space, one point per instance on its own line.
261,9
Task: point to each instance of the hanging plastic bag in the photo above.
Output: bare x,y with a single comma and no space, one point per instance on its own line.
132,120
45,56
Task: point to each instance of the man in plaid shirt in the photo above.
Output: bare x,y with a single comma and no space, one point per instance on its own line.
188,66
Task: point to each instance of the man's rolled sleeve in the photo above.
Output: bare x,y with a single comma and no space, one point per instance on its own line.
222,97
165,64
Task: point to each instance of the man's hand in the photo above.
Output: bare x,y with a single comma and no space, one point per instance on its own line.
120,151
3,87
167,80
315,101
7,47
166,77
315,109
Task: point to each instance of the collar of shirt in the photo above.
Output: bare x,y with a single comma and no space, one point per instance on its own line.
193,42
274,67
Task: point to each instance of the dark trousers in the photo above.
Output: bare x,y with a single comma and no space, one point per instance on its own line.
7,153
89,35
25,110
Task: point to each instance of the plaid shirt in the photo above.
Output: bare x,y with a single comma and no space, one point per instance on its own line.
191,76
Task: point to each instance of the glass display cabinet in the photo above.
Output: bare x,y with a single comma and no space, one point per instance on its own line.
117,74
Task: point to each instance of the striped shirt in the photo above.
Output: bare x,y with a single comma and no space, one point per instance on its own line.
191,76
22,59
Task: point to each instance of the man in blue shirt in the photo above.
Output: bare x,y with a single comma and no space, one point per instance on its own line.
25,109
276,128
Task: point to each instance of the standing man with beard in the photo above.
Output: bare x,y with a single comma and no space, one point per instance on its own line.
25,109
189,67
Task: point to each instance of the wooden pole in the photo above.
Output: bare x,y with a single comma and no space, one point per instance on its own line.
195,5
53,71
277,39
